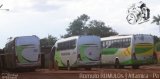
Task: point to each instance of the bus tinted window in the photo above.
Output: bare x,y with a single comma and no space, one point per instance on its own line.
126,43
117,43
67,45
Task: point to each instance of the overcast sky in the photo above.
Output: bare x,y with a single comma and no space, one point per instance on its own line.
43,17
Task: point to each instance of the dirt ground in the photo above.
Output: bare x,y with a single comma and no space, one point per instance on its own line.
144,72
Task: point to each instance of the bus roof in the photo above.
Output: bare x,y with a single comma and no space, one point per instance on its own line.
122,36
72,38
22,40
66,39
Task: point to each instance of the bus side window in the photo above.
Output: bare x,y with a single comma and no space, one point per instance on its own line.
124,42
102,46
110,44
105,44
67,45
120,43
127,42
59,46
72,44
115,44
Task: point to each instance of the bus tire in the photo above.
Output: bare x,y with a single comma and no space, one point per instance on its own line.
68,65
116,63
135,66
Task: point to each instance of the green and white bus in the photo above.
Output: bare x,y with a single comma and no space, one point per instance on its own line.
78,51
23,52
127,50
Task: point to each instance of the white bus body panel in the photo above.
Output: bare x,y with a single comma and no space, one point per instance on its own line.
31,49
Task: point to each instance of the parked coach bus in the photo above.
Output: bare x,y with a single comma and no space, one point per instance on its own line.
22,52
78,51
127,50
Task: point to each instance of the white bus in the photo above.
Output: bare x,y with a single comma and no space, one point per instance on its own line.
22,52
78,51
123,50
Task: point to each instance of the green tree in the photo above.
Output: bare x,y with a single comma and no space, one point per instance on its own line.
156,19
156,39
100,29
46,55
48,41
80,27
77,26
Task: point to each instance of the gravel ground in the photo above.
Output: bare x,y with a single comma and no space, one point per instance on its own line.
144,72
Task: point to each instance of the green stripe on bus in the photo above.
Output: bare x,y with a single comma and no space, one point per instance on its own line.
58,58
109,51
140,50
82,53
19,50
139,62
127,62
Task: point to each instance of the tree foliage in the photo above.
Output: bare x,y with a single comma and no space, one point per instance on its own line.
156,19
100,29
156,39
48,41
77,26
80,27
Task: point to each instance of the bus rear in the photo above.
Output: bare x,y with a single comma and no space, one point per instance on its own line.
88,50
77,51
143,48
27,49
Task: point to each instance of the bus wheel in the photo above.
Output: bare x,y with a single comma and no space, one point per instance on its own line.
68,65
135,66
116,63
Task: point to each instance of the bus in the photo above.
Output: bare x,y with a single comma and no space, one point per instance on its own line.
22,52
78,51
127,50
